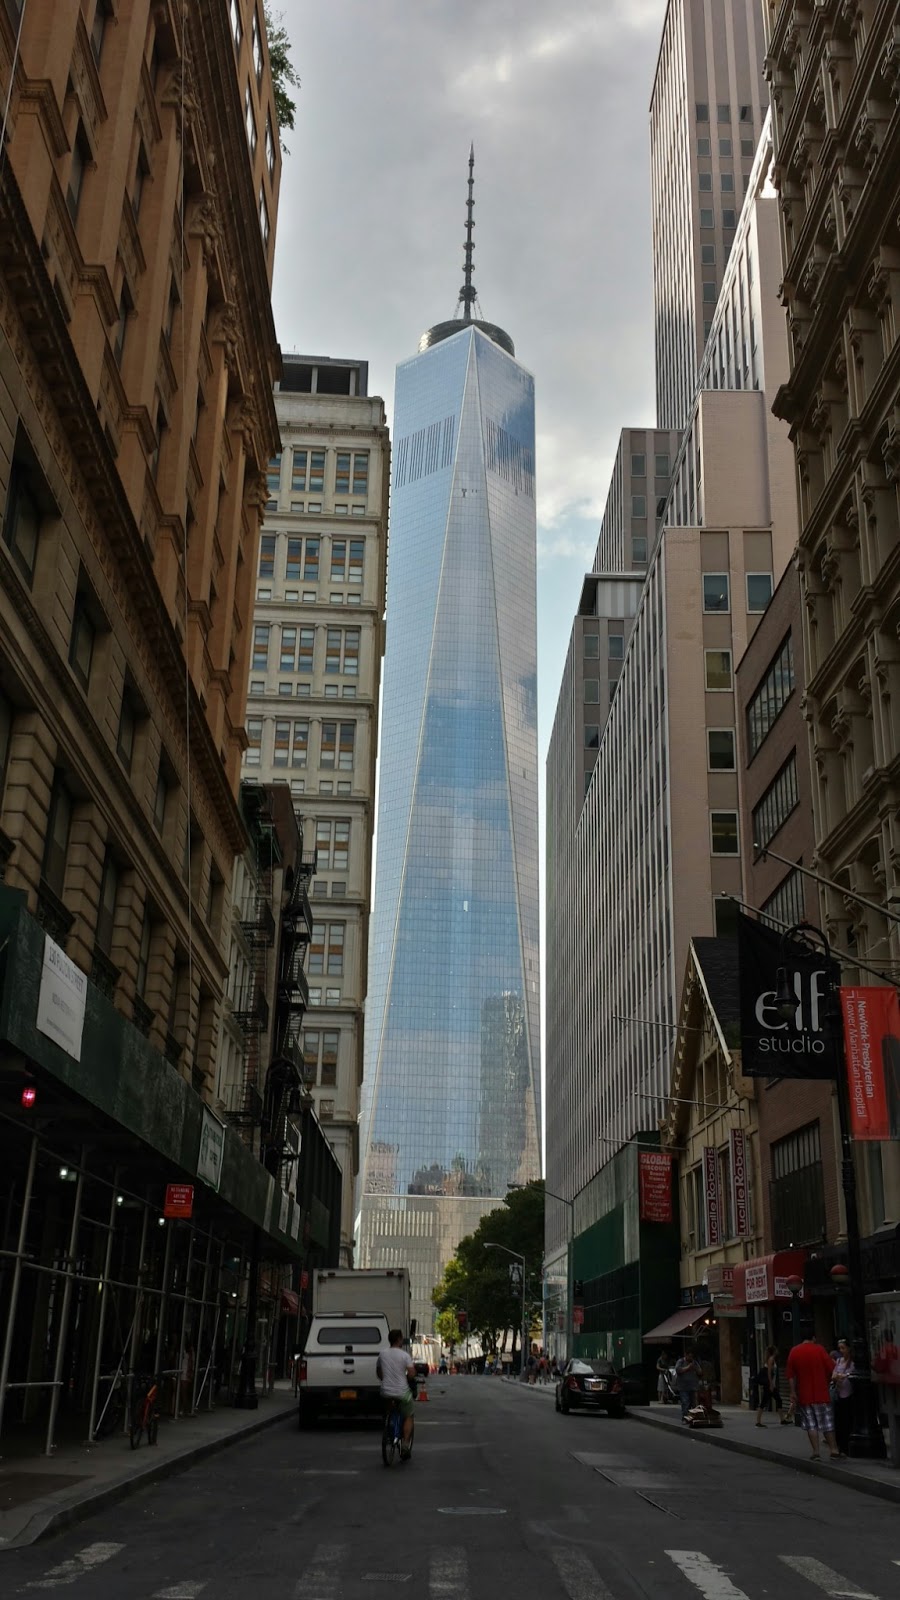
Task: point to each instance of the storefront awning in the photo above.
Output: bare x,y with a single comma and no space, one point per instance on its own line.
763,1281
290,1302
679,1325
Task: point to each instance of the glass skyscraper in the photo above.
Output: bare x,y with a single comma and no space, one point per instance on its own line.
451,1091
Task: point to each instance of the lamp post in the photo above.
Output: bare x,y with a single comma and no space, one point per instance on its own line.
795,1290
866,1438
516,1257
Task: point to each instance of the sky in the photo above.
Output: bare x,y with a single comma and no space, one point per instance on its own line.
372,217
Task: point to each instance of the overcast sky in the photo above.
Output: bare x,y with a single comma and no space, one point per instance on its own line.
372,216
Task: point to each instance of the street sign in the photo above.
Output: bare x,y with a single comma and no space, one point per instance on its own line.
179,1200
577,1316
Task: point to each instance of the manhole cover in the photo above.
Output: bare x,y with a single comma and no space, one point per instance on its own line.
471,1511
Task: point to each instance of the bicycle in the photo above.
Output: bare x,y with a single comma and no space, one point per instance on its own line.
392,1436
145,1416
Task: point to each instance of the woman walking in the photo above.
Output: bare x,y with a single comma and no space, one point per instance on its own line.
767,1383
842,1391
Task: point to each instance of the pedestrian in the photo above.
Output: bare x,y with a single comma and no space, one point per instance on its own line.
842,1396
767,1385
809,1369
687,1379
662,1375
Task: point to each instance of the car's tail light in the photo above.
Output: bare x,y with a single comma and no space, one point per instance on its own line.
302,1378
572,1383
615,1388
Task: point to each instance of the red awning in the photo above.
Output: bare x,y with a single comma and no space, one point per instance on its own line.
763,1281
290,1302
679,1325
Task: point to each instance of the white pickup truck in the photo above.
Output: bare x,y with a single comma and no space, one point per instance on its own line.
337,1367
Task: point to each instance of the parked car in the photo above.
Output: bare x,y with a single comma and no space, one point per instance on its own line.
590,1386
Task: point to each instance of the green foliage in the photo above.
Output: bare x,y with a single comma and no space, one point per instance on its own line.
446,1326
477,1280
283,71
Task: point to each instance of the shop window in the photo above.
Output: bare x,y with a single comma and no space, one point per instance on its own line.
796,1190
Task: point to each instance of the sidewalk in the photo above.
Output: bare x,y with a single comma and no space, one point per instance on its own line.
785,1446
41,1495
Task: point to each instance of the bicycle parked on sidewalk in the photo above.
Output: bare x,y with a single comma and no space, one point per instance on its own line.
144,1412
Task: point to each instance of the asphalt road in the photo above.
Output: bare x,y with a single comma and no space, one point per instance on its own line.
503,1498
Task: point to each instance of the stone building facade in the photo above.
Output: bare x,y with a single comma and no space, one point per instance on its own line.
834,74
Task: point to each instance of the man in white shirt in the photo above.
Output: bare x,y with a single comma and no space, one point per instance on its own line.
395,1370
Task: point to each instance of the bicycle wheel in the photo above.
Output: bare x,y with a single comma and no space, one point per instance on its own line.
137,1428
389,1443
153,1427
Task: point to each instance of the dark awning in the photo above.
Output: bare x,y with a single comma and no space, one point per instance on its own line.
677,1326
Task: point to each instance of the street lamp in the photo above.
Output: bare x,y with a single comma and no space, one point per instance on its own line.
866,1438
516,1257
794,1287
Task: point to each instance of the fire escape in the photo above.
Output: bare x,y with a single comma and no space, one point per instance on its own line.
288,1078
250,1008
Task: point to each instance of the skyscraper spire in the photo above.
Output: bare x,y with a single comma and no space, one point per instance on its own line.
468,293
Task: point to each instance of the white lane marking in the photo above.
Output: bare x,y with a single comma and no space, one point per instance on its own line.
832,1582
320,1580
333,1472
712,1580
93,1555
448,1574
579,1576
180,1591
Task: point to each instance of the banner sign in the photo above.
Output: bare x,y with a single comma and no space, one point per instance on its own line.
772,1046
655,1185
872,1050
740,1189
757,1284
712,1194
179,1200
211,1154
62,999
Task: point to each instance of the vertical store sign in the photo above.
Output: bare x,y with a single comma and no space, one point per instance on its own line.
872,1049
740,1191
712,1194
655,1186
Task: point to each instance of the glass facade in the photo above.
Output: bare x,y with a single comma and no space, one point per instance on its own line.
450,1097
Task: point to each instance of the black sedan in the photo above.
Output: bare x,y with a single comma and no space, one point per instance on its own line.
590,1386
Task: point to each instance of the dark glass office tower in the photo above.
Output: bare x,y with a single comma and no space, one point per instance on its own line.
451,1091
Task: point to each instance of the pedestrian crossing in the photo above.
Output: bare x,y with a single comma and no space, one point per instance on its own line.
337,1572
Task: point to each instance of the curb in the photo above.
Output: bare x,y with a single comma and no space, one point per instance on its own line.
44,1523
835,1474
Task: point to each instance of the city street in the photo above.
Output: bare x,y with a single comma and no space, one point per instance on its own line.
503,1498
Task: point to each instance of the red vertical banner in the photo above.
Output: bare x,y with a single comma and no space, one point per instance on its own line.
712,1194
872,1052
655,1185
740,1183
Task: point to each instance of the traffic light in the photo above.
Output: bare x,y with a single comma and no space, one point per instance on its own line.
462,1318
578,1289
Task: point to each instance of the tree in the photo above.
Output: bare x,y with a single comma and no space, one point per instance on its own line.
446,1326
284,72
478,1281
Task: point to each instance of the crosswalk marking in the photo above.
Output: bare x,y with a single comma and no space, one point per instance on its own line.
832,1582
448,1575
712,1581
320,1580
93,1555
180,1591
579,1576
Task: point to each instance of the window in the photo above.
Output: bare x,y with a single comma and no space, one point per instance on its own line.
728,219
125,309
159,428
591,736
638,505
263,218
298,472
707,219
728,183
106,911
300,747
720,749
592,691
759,590
143,960
335,962
638,466
747,148
701,111
329,1057
260,647
254,741
288,650
346,746
616,646
22,523
703,147
294,562
338,560
56,843
257,687
161,796
705,182
776,804
746,114
661,466
237,29
718,669
708,255
796,1190
771,696
332,844
715,591
128,719
77,169
98,29
267,556
81,644
723,112
311,559
639,547
282,746
342,651
723,827
141,173
342,472
724,147
591,647
710,294
307,646
356,557
256,47
316,960
270,147
787,904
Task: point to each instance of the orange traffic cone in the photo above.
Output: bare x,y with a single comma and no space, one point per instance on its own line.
423,1390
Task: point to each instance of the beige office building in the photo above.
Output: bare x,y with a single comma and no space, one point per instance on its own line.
706,113
315,675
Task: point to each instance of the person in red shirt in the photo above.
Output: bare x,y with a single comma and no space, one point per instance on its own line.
809,1370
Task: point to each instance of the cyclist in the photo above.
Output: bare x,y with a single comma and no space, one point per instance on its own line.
398,1379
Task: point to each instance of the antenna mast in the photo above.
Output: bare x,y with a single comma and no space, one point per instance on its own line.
468,293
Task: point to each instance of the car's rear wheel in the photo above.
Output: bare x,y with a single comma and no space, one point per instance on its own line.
557,1400
564,1406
